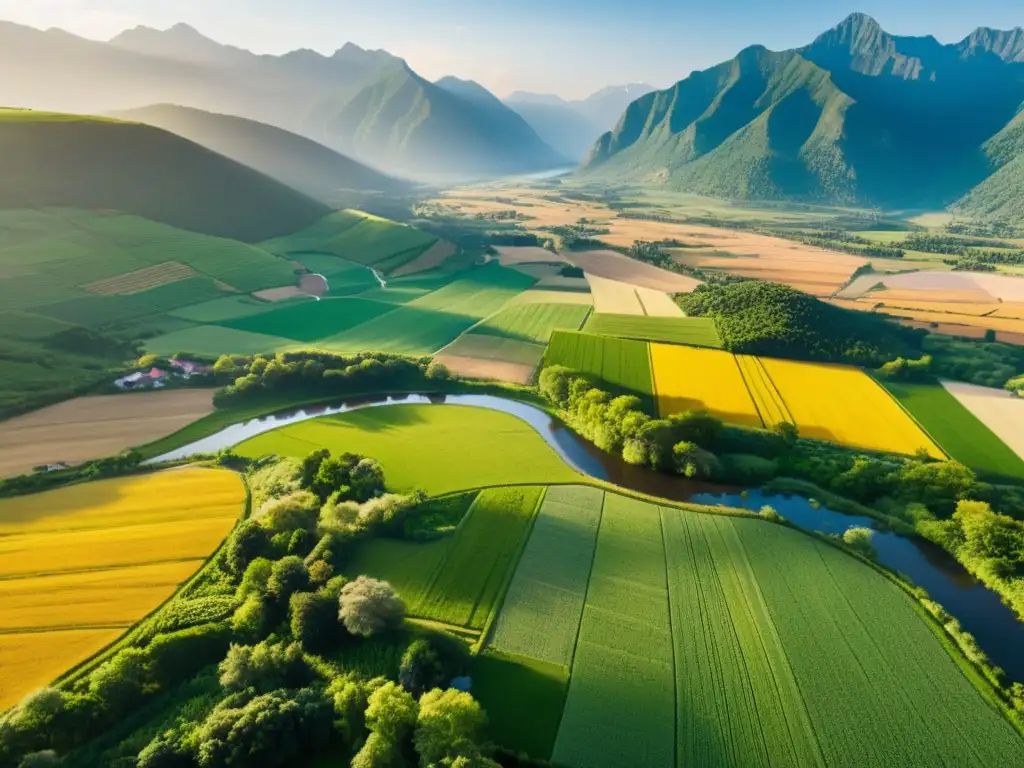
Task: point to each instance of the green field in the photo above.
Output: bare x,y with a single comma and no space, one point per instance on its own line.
695,331
533,322
228,308
439,448
357,237
958,431
523,699
215,340
621,703
496,348
311,320
541,613
721,641
433,320
483,552
622,362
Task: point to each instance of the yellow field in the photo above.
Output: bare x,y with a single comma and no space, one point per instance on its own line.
770,405
33,659
844,405
688,379
96,558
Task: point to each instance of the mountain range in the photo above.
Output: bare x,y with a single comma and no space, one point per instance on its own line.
858,116
369,105
572,127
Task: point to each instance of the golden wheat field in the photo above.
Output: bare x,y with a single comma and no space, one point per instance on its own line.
769,403
31,660
844,405
689,379
80,564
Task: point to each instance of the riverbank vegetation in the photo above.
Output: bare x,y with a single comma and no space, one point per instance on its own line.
269,657
911,493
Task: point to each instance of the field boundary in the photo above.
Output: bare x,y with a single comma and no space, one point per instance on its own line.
485,632
672,640
902,407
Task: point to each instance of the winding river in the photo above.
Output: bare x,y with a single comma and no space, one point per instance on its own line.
978,609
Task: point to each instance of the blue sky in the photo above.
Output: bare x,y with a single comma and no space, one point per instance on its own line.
569,47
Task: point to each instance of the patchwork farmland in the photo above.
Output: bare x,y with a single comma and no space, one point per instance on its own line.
693,331
757,392
722,640
80,565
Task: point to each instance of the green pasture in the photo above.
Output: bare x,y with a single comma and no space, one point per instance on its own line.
439,448
694,331
622,362
523,699
957,431
533,322
309,321
213,340
357,237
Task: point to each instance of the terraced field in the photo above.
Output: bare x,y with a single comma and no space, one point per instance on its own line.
81,564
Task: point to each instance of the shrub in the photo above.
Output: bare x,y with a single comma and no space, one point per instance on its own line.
263,667
121,682
287,575
179,655
859,539
248,542
421,668
255,579
298,510
450,726
314,621
368,607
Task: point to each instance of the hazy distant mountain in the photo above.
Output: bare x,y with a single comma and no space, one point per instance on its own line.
51,160
367,104
858,115
571,127
294,160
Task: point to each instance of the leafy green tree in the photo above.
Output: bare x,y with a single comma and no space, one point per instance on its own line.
450,725
252,620
263,667
859,539
48,758
368,607
249,541
420,669
311,466
314,621
177,655
254,580
288,575
121,682
274,729
301,542
694,462
788,432
295,511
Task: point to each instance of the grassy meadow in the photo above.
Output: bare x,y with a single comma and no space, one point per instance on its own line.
694,331
81,564
439,448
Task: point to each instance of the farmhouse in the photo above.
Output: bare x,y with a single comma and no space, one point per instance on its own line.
154,378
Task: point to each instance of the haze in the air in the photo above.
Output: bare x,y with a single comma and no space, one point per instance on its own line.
568,47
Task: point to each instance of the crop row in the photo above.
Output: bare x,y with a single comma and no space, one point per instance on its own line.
695,331
541,614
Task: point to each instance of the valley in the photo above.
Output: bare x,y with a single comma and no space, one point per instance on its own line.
351,414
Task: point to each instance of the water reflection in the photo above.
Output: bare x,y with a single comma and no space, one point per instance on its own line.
979,609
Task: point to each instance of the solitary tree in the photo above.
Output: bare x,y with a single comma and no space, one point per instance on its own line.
368,606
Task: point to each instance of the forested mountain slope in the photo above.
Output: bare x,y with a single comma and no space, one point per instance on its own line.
857,116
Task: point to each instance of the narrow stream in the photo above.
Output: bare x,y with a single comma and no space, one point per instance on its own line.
978,609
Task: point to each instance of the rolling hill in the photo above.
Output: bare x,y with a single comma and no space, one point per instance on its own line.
54,160
369,105
857,116
291,159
